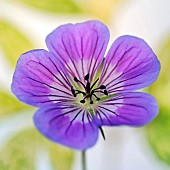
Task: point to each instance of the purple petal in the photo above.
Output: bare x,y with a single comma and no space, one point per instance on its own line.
67,124
129,65
80,47
133,109
39,80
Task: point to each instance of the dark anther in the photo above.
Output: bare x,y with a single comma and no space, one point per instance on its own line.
97,98
73,91
102,87
91,102
75,79
82,101
86,77
105,92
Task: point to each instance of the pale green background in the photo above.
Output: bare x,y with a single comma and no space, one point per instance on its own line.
24,25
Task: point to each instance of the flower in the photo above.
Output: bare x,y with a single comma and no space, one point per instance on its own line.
78,90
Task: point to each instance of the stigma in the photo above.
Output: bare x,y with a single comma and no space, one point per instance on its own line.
89,90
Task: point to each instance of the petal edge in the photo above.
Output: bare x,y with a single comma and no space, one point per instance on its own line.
129,65
67,125
132,109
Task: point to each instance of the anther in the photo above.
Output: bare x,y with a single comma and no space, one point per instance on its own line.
105,92
98,99
91,102
78,81
102,87
86,77
82,101
75,79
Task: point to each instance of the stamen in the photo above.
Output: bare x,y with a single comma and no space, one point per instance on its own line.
89,93
88,87
82,101
75,79
94,84
102,87
73,91
78,92
86,77
87,84
78,81
105,92
91,101
96,97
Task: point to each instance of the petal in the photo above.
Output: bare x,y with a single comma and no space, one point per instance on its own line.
133,109
80,47
39,80
129,65
67,124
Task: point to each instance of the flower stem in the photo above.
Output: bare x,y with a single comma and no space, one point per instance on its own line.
102,132
84,160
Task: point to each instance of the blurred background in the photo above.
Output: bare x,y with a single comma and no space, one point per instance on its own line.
24,25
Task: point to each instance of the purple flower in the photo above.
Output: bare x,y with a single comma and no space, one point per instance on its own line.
78,90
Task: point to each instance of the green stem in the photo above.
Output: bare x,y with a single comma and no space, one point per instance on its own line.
84,160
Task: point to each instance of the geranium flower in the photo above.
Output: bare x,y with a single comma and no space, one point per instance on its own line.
78,90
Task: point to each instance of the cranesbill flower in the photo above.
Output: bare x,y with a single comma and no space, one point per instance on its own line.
79,90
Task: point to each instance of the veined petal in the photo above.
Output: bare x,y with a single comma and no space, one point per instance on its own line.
39,80
80,47
133,109
129,65
67,124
